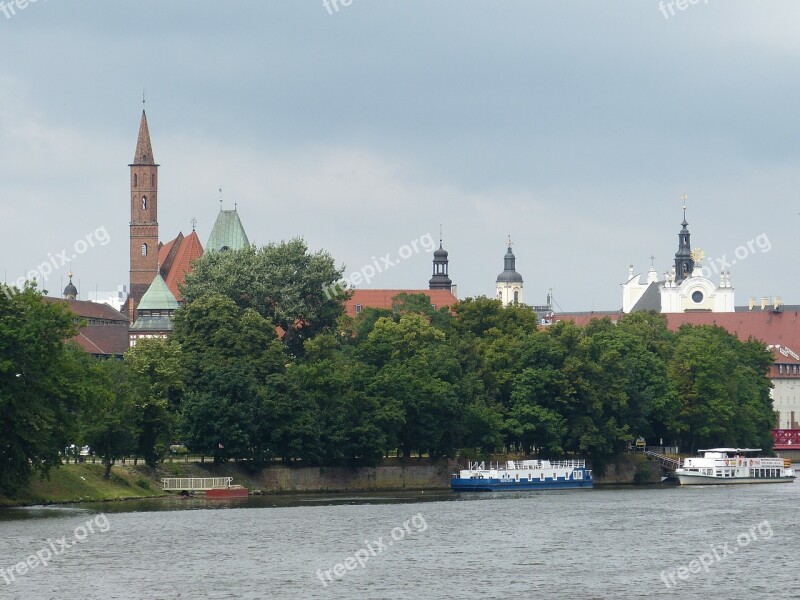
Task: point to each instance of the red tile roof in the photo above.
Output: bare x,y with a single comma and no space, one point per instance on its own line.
383,298
189,249
106,340
91,310
163,249
779,329
106,332
584,318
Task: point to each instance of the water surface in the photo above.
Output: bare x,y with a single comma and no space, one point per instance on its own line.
603,543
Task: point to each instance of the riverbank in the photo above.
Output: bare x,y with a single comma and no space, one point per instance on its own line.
85,482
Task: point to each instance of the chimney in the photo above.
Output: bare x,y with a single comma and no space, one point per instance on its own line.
778,303
764,302
751,303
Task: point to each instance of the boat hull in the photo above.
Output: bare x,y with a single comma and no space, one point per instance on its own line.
223,494
499,485
711,480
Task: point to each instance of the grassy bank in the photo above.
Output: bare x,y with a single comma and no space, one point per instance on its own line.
85,482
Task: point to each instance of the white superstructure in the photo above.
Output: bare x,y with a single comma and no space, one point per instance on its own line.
733,465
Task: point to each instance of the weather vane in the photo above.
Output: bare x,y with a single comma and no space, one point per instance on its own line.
509,241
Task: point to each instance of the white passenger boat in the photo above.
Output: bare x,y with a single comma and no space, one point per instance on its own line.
734,465
522,475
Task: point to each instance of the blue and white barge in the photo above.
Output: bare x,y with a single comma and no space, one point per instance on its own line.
522,475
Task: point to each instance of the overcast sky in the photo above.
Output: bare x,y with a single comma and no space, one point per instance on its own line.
572,126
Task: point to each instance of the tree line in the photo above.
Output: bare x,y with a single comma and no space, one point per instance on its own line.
264,365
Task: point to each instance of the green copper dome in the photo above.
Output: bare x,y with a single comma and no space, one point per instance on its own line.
227,233
158,297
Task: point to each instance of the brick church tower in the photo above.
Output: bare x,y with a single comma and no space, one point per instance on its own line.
144,219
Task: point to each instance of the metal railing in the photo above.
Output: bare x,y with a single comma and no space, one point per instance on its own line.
195,484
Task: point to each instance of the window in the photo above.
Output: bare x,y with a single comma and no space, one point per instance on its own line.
144,202
152,181
144,249
516,297
697,296
358,309
135,180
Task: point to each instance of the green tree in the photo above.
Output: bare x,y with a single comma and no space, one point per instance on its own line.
723,387
417,369
285,283
159,363
229,356
40,381
110,421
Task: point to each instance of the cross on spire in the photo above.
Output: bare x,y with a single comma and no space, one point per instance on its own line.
193,222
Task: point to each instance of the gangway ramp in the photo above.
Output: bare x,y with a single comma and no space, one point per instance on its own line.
667,462
195,484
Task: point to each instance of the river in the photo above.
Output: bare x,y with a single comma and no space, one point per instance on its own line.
731,542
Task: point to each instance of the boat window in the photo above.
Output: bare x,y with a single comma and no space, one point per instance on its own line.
541,476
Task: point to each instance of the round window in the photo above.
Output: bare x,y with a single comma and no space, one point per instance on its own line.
697,296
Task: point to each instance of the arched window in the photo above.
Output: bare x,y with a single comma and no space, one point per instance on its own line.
144,202
516,296
135,180
144,249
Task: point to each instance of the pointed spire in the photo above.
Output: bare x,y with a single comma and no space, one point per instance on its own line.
684,262
144,150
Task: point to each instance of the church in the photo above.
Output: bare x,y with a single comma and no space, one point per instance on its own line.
683,289
158,269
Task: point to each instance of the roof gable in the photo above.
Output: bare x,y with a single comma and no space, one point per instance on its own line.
227,233
158,297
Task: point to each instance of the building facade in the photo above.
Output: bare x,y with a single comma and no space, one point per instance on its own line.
509,283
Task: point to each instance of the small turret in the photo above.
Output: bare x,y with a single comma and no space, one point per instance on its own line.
70,291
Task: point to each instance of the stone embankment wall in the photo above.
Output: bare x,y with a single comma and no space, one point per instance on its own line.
338,479
284,479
